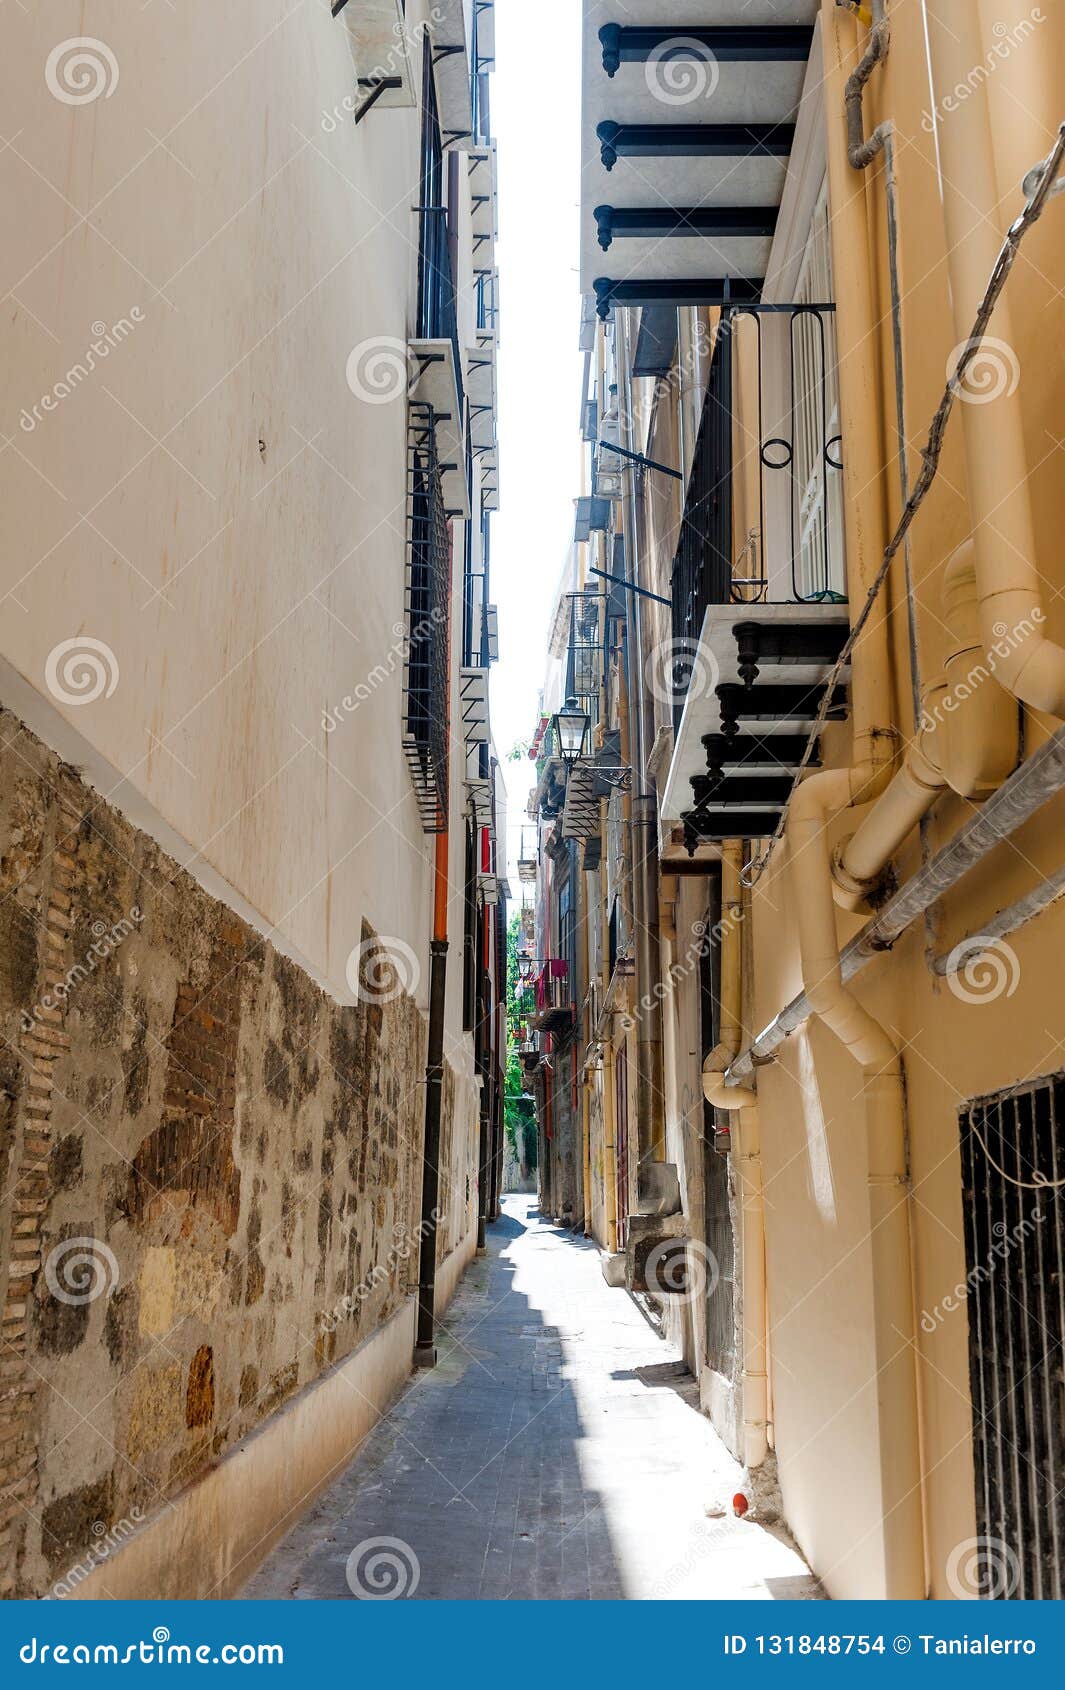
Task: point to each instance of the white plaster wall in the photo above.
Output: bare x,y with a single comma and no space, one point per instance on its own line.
243,589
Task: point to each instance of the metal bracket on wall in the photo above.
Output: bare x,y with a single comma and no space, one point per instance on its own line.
376,90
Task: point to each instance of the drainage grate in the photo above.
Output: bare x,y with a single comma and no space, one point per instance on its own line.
1012,1153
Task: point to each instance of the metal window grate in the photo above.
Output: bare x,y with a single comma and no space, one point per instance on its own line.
425,701
1015,1256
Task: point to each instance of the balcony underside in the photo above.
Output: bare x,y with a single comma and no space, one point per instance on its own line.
758,681
683,118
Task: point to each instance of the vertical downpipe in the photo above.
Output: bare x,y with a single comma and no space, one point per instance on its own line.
425,1346
424,1342
484,1061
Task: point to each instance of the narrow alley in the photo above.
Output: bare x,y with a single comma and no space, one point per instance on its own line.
532,825
555,1452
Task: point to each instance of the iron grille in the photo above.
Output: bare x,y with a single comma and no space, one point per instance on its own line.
1015,1256
426,651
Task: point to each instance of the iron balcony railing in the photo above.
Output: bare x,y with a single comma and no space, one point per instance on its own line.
437,315
425,677
763,514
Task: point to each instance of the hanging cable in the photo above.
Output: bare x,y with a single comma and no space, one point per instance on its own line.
1040,1181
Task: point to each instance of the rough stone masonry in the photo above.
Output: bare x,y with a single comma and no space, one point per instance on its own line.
210,1171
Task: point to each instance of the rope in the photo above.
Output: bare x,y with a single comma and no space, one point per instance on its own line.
1048,172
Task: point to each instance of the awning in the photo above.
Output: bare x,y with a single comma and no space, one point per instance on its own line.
686,131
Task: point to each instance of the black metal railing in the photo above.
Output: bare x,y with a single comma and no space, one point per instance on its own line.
482,120
437,315
702,567
790,545
425,741
799,456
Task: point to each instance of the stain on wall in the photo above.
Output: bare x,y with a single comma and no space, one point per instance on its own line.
207,1166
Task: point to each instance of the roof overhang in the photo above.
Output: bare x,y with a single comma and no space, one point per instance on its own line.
686,133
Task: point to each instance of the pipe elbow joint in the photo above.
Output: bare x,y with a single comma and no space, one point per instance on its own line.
715,1090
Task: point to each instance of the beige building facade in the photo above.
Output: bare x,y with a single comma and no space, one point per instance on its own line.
814,730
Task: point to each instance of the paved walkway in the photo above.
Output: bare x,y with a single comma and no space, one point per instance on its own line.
556,1451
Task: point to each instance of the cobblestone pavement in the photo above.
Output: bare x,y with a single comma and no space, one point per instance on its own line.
556,1451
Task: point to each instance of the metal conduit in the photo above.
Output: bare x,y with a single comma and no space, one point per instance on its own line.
1015,802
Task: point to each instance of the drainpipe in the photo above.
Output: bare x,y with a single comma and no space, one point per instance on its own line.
875,739
643,833
966,741
610,1153
821,795
995,456
586,1124
747,1159
424,1342
898,1438
425,1347
484,1061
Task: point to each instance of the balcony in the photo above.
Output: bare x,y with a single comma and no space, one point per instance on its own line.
758,586
452,70
686,133
555,1009
380,51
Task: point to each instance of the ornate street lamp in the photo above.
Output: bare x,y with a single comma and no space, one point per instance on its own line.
526,965
571,731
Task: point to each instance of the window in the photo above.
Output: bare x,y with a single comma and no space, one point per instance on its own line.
425,657
1011,1143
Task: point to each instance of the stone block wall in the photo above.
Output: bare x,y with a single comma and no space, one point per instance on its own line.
210,1172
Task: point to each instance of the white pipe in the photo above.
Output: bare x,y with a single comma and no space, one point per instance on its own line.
747,1159
993,427
898,1436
